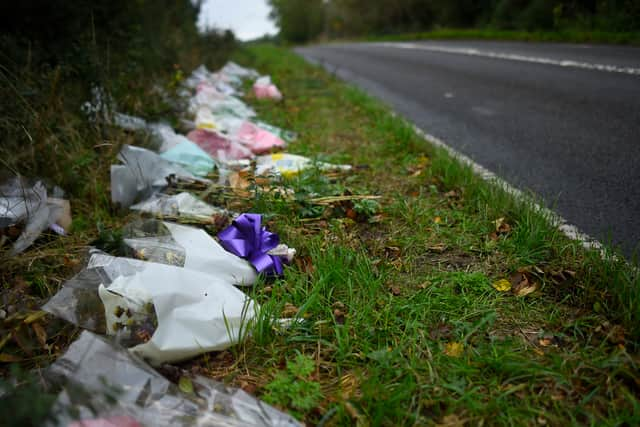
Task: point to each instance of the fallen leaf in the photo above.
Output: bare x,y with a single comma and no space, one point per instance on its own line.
289,310
502,285
185,385
451,420
392,252
438,248
437,220
521,285
395,290
453,349
41,333
304,263
502,227
545,341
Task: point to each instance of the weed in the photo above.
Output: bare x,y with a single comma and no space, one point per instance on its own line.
293,388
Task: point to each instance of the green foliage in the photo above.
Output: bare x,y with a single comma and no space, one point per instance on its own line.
367,208
293,387
299,20
344,18
54,54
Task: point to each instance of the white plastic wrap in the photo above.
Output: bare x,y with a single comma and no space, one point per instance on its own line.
183,205
141,174
290,164
196,313
27,206
188,247
103,383
174,313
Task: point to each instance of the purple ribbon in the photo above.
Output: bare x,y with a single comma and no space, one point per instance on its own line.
248,239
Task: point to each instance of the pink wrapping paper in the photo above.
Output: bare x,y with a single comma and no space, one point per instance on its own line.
256,139
219,147
269,91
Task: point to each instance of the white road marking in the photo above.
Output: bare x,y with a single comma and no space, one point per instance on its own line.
515,57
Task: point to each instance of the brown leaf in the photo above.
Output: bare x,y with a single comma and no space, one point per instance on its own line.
522,285
437,248
304,263
451,420
41,333
289,310
395,290
392,252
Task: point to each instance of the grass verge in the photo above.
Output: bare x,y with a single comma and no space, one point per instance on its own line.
396,300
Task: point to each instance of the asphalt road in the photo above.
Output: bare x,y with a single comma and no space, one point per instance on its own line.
562,121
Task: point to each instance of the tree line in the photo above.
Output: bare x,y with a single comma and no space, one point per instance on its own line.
303,20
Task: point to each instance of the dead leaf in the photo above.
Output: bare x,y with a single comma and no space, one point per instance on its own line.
502,285
522,285
289,310
392,252
502,227
395,290
437,220
41,333
339,312
545,341
419,167
437,248
451,420
349,386
304,263
454,349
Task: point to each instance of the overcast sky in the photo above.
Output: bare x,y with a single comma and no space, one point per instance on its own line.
248,19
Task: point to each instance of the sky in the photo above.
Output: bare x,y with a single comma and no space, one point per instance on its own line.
248,19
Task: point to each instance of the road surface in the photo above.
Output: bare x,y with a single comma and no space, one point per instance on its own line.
560,120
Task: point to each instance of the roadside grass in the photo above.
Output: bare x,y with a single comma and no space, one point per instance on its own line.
566,36
396,308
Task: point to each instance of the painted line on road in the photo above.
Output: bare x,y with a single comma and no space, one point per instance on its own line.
515,57
569,230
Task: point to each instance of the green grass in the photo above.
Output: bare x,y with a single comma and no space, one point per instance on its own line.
384,302
567,36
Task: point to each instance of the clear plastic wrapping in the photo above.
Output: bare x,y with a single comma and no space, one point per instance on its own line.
103,383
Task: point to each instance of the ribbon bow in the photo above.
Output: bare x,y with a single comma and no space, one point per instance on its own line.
246,238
